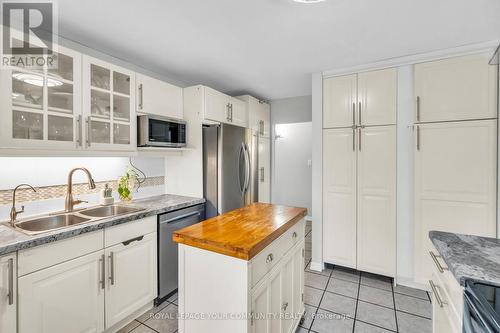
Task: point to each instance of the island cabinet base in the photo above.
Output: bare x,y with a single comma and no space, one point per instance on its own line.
224,294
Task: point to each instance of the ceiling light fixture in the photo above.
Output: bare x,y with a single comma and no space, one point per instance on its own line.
308,1
36,79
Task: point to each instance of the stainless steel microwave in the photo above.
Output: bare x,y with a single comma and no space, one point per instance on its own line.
158,131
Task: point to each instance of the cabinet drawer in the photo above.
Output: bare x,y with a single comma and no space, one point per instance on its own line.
272,254
451,317
130,230
36,258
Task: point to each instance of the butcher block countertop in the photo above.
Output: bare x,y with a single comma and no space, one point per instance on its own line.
241,233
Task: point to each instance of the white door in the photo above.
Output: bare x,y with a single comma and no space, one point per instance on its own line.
339,101
264,170
456,89
217,106
66,298
376,245
339,197
239,115
42,108
132,277
108,106
455,183
8,294
260,308
377,97
158,97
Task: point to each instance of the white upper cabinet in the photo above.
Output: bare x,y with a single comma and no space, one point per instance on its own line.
8,293
158,97
225,109
377,97
259,115
339,101
456,89
42,107
108,106
264,170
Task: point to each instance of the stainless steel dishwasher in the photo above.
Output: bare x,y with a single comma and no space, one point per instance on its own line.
167,249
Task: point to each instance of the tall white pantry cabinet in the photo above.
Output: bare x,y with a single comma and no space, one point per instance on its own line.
359,171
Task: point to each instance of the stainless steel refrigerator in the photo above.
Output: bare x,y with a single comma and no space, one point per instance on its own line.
230,172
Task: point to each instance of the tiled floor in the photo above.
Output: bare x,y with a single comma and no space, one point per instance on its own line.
337,300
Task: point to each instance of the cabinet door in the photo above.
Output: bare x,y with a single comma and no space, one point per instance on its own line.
259,115
275,300
264,170
158,97
239,114
377,97
287,293
132,277
42,108
260,308
377,200
339,101
108,106
298,280
8,294
217,106
455,183
456,89
339,197
64,298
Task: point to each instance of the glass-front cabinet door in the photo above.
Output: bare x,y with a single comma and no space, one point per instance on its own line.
41,107
109,115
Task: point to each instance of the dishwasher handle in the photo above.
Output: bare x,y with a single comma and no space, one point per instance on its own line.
180,217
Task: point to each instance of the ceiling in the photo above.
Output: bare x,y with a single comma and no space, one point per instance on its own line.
269,48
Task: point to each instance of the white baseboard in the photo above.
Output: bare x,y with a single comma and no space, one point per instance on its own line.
407,282
316,266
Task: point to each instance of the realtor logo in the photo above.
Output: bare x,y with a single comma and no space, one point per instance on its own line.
28,34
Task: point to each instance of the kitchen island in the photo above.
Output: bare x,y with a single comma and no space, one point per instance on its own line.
243,271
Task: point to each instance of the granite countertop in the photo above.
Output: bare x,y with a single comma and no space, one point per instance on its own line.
469,257
12,240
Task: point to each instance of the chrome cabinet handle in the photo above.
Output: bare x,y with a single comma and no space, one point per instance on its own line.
112,268
87,124
359,138
294,235
418,137
102,281
261,127
434,257
228,112
262,174
353,114
270,258
231,109
418,109
436,293
359,113
141,96
11,281
284,306
353,138
79,131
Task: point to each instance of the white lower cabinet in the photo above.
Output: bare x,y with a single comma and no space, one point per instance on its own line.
8,291
63,298
132,277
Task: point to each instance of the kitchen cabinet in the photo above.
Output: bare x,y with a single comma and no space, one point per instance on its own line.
158,97
458,88
339,196
68,297
42,107
364,99
108,106
259,115
264,170
225,109
132,279
8,293
455,183
376,200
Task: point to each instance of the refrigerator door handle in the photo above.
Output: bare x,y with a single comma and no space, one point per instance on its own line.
242,152
247,169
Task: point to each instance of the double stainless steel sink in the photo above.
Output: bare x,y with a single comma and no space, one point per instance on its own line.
57,221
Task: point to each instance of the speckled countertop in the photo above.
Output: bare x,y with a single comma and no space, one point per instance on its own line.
469,257
12,240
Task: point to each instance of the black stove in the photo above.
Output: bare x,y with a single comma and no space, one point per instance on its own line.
481,308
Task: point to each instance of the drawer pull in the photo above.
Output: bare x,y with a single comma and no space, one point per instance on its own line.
294,235
269,258
436,294
285,306
137,239
434,257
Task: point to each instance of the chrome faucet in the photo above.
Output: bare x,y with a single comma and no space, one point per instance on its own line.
69,202
13,211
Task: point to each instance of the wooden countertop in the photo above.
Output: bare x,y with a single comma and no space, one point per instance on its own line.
241,233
